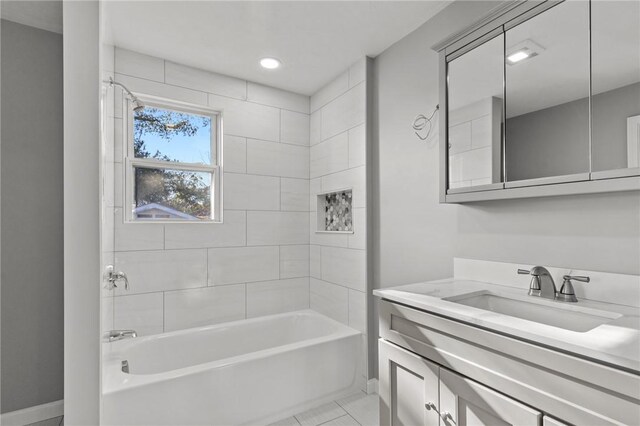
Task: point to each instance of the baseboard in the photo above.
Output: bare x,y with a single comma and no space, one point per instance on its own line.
33,414
372,386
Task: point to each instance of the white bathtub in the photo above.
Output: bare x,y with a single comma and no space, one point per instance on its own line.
246,372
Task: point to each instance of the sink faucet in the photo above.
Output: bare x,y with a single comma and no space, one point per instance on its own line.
542,284
115,335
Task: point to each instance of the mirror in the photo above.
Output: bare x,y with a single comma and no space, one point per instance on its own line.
547,95
475,116
615,35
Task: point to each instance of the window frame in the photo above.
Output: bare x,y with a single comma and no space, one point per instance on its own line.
131,162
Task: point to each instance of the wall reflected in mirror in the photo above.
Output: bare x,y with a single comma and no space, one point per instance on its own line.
615,36
547,94
475,99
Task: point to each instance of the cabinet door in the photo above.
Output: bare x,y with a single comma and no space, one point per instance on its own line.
408,388
465,402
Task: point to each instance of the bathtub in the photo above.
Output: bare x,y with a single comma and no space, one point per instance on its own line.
251,371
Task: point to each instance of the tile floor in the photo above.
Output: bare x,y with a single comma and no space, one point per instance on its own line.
358,409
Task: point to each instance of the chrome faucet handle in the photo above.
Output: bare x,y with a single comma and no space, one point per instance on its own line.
524,272
111,277
577,278
567,292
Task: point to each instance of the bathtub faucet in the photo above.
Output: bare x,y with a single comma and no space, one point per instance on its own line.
115,335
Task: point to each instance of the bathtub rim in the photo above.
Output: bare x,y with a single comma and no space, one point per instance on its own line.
115,380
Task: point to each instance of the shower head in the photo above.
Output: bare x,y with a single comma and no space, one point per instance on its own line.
138,105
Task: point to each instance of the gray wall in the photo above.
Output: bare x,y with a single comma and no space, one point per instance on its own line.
609,131
32,282
555,141
415,238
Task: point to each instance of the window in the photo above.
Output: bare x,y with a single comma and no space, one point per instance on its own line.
173,163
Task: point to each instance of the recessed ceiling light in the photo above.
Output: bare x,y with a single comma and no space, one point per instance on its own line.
269,63
517,56
524,50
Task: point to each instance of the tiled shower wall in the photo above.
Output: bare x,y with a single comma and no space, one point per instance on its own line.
338,268
255,263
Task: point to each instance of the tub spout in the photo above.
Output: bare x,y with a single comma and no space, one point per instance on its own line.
115,335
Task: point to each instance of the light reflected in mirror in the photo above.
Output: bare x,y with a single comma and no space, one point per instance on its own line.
547,94
615,36
475,94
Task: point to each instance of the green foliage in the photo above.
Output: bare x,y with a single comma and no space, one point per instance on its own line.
187,192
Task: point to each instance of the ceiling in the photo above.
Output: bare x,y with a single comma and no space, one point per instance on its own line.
46,15
315,40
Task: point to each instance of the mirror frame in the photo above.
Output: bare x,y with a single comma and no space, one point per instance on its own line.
501,19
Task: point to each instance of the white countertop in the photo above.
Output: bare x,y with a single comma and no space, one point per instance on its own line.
616,343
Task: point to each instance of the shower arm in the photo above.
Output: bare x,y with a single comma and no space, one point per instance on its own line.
138,104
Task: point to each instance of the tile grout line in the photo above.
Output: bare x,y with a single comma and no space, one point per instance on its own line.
207,94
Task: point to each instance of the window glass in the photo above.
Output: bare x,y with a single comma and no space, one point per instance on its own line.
167,135
172,194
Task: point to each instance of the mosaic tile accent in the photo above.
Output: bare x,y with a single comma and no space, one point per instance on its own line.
338,213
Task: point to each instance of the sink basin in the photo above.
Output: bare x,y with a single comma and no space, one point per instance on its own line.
557,314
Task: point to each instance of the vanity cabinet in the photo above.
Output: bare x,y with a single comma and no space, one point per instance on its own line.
438,371
416,391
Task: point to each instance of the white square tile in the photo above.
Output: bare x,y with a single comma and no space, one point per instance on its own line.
358,310
314,262
474,164
344,266
138,65
357,146
107,226
329,299
294,127
136,236
230,233
358,240
294,261
355,179
278,98
315,127
274,297
247,119
363,408
235,154
481,132
203,306
167,91
358,72
345,112
197,79
118,140
251,192
460,138
243,264
276,159
294,195
139,312
329,92
324,238
277,228
161,270
319,415
106,314
315,188
329,156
